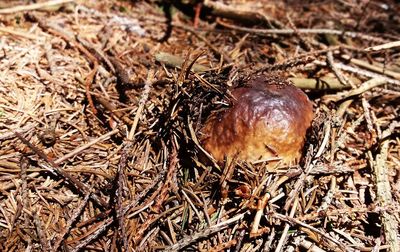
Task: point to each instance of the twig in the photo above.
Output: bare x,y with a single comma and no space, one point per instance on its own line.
96,53
261,204
372,67
384,194
303,31
149,221
310,247
22,200
385,46
324,83
297,222
142,103
236,13
173,160
197,12
239,238
345,235
88,84
325,139
81,187
187,240
303,41
290,63
85,146
285,231
50,60
44,243
191,204
77,212
22,130
149,236
300,59
121,73
96,218
372,83
185,69
106,223
338,74
224,246
143,193
34,6
176,61
216,50
23,34
327,200
269,241
59,31
367,115
300,181
142,207
117,115
366,73
120,191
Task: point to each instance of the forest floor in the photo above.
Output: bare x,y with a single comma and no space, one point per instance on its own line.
102,105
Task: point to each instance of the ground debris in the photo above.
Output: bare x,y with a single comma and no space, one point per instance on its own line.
102,105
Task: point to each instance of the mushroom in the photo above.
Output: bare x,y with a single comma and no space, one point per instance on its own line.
268,120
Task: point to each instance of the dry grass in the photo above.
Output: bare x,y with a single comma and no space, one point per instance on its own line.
99,142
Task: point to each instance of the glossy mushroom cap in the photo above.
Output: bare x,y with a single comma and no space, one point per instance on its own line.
269,118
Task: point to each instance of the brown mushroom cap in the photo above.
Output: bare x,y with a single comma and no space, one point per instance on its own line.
269,118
